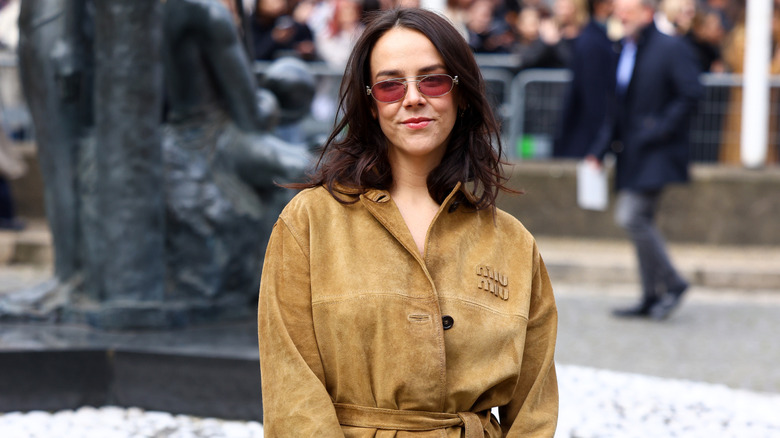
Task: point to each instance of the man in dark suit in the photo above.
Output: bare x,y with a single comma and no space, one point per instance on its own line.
657,88
592,67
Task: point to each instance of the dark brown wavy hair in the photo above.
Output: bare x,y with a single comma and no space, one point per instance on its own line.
355,153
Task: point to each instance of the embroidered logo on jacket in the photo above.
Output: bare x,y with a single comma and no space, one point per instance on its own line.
493,281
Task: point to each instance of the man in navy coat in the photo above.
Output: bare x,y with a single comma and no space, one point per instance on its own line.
592,67
646,127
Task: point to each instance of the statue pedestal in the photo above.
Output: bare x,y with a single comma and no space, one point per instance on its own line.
207,371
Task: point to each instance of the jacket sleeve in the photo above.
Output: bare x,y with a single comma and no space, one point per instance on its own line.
687,90
606,132
295,401
533,411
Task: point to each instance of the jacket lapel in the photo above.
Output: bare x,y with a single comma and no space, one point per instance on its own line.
384,210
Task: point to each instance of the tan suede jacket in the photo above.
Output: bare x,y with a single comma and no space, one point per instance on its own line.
361,336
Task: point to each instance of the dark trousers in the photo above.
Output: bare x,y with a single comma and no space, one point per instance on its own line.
6,202
635,212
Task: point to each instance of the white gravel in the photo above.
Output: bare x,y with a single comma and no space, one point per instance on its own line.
114,422
594,404
607,404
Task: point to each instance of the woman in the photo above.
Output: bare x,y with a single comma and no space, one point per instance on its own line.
395,299
276,34
12,166
334,42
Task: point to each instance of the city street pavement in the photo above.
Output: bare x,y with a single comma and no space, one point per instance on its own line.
724,332
721,267
717,336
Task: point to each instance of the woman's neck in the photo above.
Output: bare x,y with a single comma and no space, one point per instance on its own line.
410,193
409,185
410,174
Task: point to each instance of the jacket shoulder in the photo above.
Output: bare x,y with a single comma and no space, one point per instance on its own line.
316,203
592,33
308,201
303,209
662,42
515,240
512,228
306,198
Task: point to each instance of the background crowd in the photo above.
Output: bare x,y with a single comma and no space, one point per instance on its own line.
524,34
540,33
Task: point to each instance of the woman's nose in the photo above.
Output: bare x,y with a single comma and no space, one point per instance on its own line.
413,95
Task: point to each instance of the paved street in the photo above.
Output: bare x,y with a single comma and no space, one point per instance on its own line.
716,336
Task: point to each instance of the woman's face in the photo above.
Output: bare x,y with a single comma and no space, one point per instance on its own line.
348,14
565,11
271,8
528,24
417,127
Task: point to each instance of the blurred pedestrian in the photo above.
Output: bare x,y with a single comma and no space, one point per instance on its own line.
707,37
334,42
570,17
276,33
729,11
457,11
657,88
486,33
9,30
592,66
395,298
12,166
538,39
675,17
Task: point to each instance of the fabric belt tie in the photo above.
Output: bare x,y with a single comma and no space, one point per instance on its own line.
395,419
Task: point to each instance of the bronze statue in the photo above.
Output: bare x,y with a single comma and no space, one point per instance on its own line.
154,224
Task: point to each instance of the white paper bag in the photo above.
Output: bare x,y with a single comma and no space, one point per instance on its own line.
592,187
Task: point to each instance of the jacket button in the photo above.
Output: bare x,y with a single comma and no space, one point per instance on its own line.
447,322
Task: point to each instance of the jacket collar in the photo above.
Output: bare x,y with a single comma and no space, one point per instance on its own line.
378,195
646,33
377,202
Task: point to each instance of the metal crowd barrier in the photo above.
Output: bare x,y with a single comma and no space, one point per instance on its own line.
537,97
529,106
536,102
715,128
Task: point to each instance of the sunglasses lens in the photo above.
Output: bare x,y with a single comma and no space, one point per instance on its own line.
436,85
388,91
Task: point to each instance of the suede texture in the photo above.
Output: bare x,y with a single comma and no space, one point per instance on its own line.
351,313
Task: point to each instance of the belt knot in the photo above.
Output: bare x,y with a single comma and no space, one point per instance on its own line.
396,419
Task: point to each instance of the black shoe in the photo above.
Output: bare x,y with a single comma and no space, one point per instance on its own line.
11,224
663,308
639,311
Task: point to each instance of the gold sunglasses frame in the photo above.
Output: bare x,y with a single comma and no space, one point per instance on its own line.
405,83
